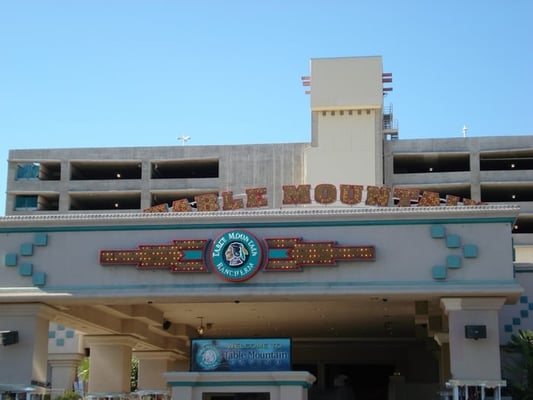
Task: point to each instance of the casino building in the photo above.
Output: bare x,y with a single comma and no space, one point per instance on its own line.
357,263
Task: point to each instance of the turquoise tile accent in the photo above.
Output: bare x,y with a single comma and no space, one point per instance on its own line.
524,313
51,334
439,272
453,261
60,342
530,306
516,321
69,334
192,255
278,253
437,231
39,279
508,328
10,260
26,249
523,299
470,251
453,241
60,327
40,239
26,269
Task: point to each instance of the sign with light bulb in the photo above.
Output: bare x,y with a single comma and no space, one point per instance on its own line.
237,255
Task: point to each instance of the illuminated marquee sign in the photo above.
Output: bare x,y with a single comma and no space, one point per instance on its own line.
237,255
325,193
237,355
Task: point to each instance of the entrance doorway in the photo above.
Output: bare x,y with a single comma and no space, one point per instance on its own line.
369,382
351,381
236,396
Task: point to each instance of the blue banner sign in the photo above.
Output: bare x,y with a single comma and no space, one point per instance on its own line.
270,354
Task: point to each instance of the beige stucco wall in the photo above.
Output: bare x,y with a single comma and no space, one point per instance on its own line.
347,104
524,254
348,143
346,83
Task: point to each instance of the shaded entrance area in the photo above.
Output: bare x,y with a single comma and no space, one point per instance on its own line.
352,381
236,396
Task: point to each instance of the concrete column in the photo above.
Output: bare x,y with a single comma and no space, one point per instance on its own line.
27,358
63,366
110,363
146,172
293,392
152,366
475,172
64,200
472,359
443,340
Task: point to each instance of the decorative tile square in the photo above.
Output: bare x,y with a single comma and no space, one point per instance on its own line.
439,272
453,261
437,231
10,260
26,249
453,241
40,239
470,251
26,269
39,279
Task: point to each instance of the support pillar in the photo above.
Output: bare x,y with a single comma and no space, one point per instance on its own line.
474,358
63,366
443,340
110,363
152,366
27,358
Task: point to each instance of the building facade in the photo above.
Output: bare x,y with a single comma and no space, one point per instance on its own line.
401,265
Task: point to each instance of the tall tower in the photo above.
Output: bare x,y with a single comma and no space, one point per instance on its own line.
347,116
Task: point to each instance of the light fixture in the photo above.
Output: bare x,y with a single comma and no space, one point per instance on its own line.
201,329
166,324
9,337
475,332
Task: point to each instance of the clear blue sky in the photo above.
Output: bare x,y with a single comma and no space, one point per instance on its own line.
98,73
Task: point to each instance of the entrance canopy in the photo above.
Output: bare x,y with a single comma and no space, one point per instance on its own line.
303,273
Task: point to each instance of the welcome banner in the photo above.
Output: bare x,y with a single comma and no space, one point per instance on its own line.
270,354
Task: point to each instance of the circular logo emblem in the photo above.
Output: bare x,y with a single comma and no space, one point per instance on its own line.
208,357
236,256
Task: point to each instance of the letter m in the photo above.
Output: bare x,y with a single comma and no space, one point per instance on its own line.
300,194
